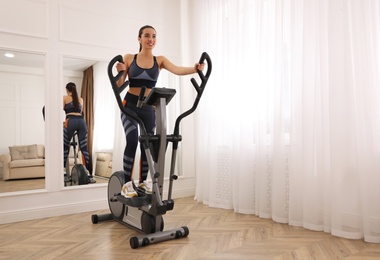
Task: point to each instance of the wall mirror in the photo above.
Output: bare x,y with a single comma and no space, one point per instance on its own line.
88,74
22,87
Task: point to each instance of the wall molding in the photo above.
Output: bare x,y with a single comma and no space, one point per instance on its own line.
34,22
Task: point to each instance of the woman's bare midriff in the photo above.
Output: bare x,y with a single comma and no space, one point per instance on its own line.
136,91
73,114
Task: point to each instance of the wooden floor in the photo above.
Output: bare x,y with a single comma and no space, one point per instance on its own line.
22,184
214,234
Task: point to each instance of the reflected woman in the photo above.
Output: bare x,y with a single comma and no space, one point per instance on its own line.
73,107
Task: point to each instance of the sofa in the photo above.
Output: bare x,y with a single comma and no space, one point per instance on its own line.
103,164
28,161
24,161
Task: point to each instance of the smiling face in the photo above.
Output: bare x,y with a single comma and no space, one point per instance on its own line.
147,38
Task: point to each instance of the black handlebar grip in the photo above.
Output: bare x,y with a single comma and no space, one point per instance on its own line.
142,92
203,57
201,61
141,96
118,58
114,79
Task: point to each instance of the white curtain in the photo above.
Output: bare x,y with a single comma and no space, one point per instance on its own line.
108,130
104,109
289,127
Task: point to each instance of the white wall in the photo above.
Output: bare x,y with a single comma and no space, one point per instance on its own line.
88,29
21,105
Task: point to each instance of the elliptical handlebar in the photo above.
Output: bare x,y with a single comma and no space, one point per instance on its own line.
204,78
141,97
199,88
113,78
117,90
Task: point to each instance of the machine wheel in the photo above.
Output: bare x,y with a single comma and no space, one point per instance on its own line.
186,230
115,184
79,175
94,219
148,223
134,242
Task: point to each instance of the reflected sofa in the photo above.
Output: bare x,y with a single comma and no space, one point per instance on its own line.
24,161
103,164
28,161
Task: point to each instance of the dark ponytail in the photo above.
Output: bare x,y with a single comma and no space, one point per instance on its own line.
74,94
141,32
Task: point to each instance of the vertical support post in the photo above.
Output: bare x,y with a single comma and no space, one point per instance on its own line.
172,169
161,131
160,164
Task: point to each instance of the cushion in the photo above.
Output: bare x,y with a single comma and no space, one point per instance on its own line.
40,151
103,156
26,163
23,152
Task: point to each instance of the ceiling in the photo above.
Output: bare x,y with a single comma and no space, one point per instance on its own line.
22,59
75,64
36,60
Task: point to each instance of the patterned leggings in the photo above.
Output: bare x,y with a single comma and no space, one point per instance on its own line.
130,126
72,124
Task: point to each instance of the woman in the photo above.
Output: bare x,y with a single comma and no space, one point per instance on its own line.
142,69
73,106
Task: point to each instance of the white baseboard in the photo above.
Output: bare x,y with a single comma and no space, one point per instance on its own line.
52,211
67,208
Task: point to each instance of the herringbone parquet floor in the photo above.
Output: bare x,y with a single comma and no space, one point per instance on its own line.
214,234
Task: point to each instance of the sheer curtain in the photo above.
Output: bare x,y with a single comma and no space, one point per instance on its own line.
108,130
291,126
104,109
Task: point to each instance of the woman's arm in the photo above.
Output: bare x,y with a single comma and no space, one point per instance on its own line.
168,65
81,102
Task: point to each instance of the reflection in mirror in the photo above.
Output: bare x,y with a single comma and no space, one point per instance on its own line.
84,73
22,151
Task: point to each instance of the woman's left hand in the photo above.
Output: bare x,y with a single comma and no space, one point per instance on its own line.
199,66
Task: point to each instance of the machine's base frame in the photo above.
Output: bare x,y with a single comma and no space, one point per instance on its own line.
135,218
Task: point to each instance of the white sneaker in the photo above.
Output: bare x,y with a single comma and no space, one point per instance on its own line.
146,187
128,191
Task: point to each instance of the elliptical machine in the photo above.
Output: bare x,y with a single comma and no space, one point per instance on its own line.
144,213
78,174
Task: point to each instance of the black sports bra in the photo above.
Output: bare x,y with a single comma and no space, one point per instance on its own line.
139,77
69,108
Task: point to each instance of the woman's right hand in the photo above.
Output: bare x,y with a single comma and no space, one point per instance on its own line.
120,67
